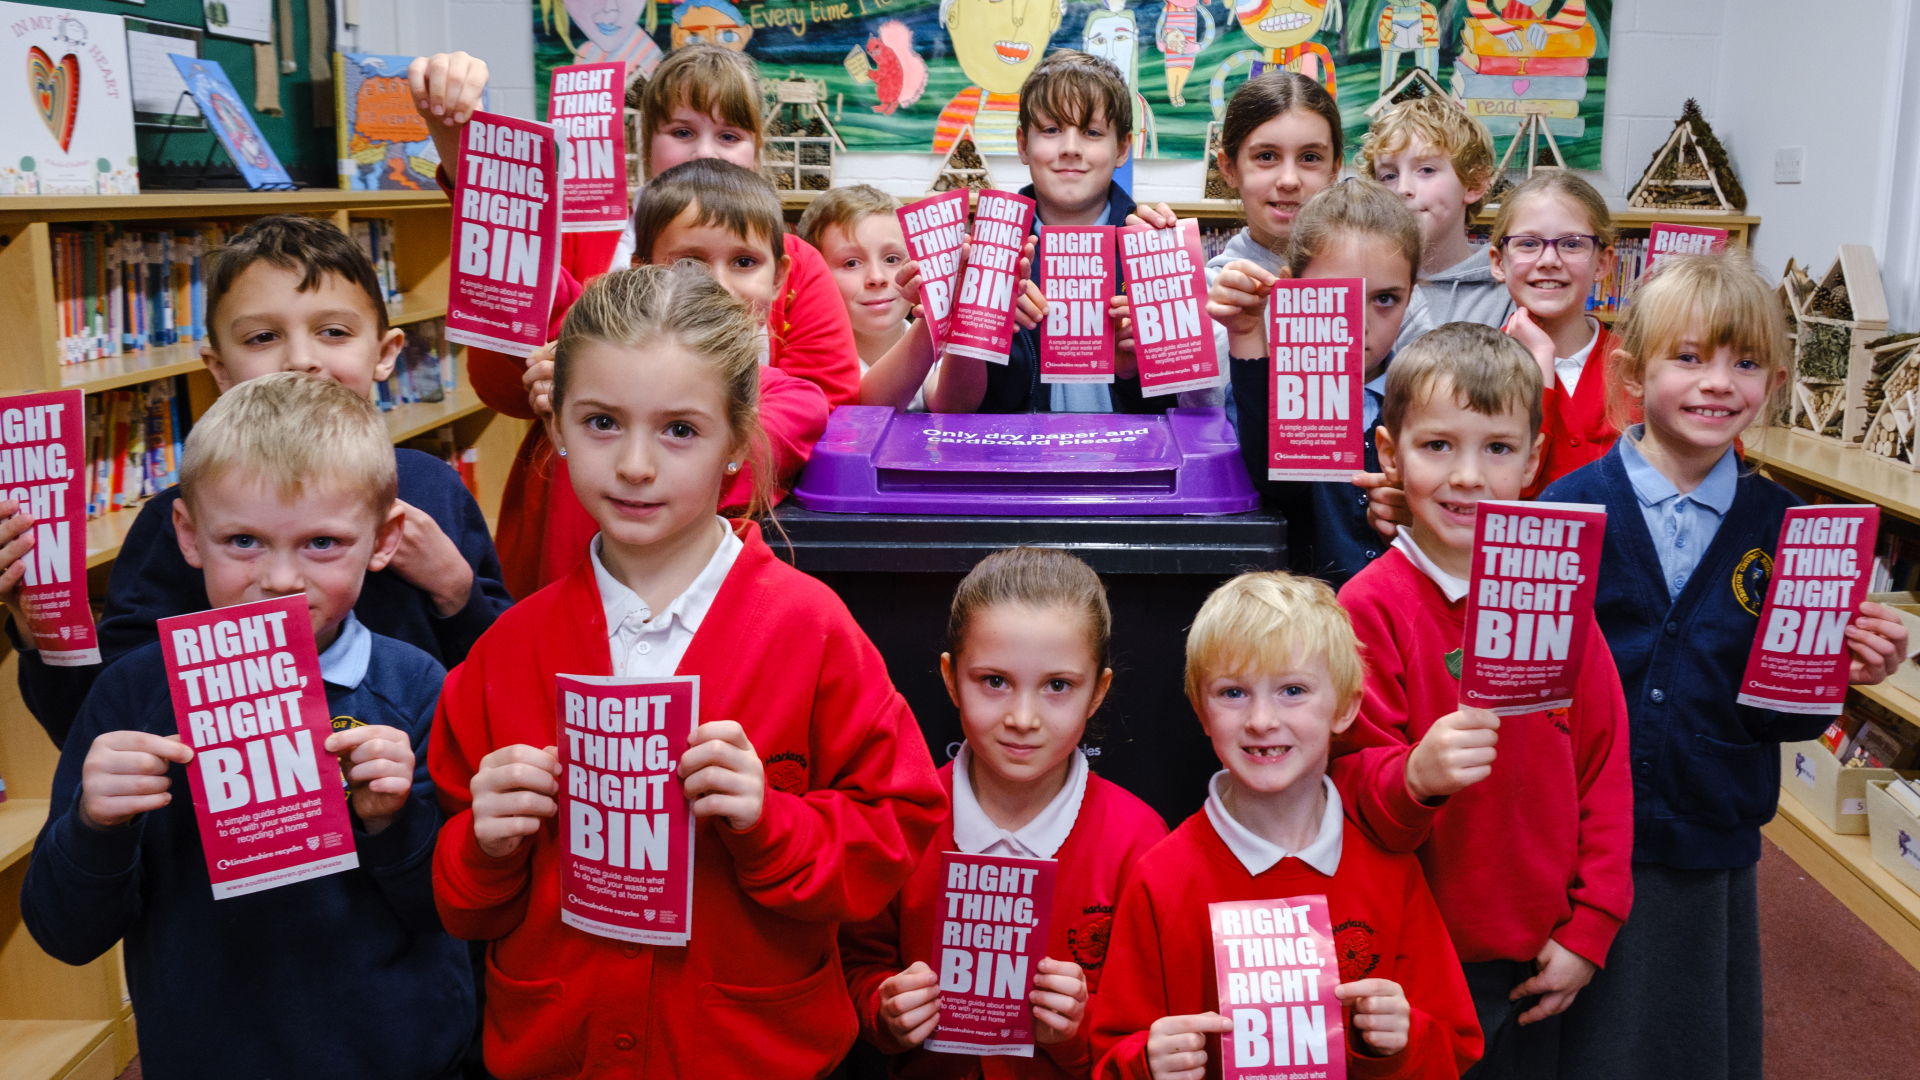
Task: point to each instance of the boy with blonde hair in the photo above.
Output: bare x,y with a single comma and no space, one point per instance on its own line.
858,233
1438,158
1532,911
286,487
1274,671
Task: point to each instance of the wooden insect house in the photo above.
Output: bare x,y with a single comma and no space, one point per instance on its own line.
963,167
801,140
1792,293
1690,171
1415,84
1895,399
1833,369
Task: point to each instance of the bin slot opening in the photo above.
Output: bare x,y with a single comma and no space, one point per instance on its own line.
1157,481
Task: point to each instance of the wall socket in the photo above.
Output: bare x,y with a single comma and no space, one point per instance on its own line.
1786,164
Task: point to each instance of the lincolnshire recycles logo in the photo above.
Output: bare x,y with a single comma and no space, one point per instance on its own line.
1750,580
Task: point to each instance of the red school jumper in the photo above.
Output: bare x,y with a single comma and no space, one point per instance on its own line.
1112,831
1542,847
1574,427
813,367
851,801
1385,926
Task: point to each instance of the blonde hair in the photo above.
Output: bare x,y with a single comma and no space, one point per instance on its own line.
1719,299
1566,185
1269,621
645,306
1487,372
289,429
843,208
1033,577
1354,207
707,79
1441,123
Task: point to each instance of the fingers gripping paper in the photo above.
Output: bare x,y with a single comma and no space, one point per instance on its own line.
1316,333
1274,960
248,699
506,234
1530,603
627,869
40,451
993,934
1800,661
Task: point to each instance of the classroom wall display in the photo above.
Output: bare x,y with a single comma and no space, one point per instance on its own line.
68,127
902,74
233,123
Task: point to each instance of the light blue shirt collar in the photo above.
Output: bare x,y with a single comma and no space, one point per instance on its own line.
344,664
1651,488
1375,396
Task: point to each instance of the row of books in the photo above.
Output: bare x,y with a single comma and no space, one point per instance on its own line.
426,370
117,291
135,439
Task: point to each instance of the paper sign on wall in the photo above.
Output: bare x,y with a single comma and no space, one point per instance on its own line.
588,102
1800,660
935,227
506,234
1167,295
1077,269
983,309
41,445
1530,603
1667,239
247,697
993,934
1316,340
1276,968
627,867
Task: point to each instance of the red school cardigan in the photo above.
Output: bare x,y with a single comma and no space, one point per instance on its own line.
1113,829
813,366
1574,429
851,802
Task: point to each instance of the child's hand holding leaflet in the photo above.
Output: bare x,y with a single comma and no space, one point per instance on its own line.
515,787
377,761
1455,753
125,775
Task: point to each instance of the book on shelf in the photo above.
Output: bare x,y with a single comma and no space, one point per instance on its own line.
425,370
135,439
118,291
375,237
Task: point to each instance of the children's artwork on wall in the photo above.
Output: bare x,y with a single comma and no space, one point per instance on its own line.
238,132
383,145
69,127
916,73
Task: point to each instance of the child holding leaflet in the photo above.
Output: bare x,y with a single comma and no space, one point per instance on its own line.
1552,239
1356,229
291,293
1440,159
1275,673
1531,911
857,230
285,488
1027,668
811,786
1689,546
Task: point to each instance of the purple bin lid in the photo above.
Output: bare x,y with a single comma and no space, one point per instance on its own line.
874,460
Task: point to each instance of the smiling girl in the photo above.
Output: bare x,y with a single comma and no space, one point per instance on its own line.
810,785
1027,668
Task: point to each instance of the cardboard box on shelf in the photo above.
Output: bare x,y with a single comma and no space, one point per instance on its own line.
1895,835
1906,677
1836,795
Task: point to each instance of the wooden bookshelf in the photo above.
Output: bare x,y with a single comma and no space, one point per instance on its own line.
1844,866
158,205
1843,470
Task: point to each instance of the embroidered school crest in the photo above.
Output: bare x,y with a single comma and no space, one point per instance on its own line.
787,772
1558,718
1750,580
1088,941
342,723
1353,944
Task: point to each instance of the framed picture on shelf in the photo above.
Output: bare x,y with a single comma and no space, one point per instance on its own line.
160,97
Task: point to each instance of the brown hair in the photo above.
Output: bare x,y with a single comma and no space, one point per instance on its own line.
1072,87
1568,186
707,79
1267,621
736,199
843,208
1276,92
1038,578
291,429
1719,297
1354,207
646,305
1441,123
310,247
1487,371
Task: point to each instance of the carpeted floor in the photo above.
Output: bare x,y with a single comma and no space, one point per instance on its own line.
1841,1003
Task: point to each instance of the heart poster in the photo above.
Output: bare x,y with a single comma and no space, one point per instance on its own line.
67,124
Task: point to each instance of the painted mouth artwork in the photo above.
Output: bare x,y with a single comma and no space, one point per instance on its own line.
1012,52
1291,21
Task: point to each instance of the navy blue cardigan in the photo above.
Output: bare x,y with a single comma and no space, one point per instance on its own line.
1706,771
152,581
348,975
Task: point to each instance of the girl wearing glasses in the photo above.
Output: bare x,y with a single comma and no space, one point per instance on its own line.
1552,239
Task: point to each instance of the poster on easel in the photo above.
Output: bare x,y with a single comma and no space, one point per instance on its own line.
222,105
70,128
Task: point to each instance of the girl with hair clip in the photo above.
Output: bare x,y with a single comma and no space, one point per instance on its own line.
1701,353
1027,667
655,388
702,102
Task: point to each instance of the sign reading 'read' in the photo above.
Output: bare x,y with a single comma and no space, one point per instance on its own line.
506,234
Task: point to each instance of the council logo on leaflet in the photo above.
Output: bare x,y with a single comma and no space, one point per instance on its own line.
1750,580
